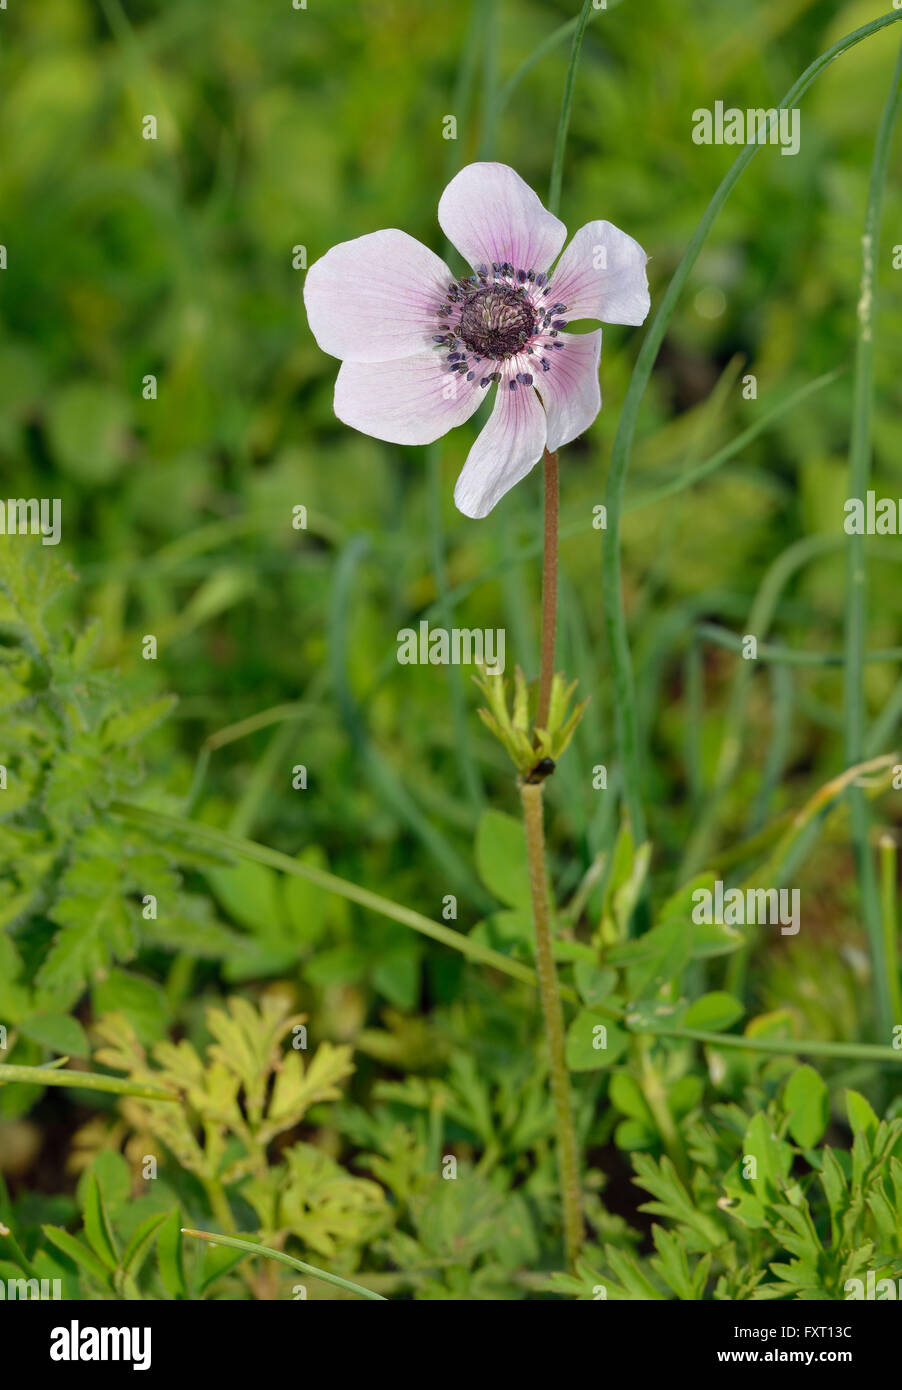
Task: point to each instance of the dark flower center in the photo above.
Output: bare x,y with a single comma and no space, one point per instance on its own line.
496,322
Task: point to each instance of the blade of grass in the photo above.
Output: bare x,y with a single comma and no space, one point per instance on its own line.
186,831
618,639
779,1047
796,843
384,779
489,9
760,617
856,567
563,125
689,478
790,656
253,1248
480,33
557,36
884,726
782,700
276,714
683,480
889,902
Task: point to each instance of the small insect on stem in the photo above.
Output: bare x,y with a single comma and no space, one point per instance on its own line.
543,768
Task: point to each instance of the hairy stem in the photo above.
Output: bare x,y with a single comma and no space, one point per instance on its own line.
549,588
552,1009
86,1080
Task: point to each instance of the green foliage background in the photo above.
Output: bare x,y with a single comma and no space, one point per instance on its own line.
282,128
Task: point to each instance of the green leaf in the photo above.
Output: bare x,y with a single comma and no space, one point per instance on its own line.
139,1246
142,1002
772,1160
114,1179
219,1260
131,725
685,1095
714,1012
397,976
501,858
708,938
626,1093
307,907
593,1042
628,893
635,1284
87,424
79,1254
619,874
670,947
97,1224
170,1260
251,896
593,981
58,1032
631,1135
807,1103
861,1117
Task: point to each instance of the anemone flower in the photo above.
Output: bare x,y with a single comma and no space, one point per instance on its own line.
420,350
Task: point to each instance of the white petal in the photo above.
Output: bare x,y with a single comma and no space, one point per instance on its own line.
601,275
508,447
491,215
570,388
374,299
411,401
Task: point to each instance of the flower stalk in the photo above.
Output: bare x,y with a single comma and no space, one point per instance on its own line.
531,795
549,587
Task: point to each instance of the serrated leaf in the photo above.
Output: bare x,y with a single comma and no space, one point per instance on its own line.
139,1246
772,1159
79,1254
131,725
97,1224
861,1117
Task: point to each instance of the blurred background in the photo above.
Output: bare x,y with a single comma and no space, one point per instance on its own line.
177,257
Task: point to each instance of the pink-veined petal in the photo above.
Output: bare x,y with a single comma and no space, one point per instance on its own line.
601,275
374,299
509,445
570,389
491,215
412,401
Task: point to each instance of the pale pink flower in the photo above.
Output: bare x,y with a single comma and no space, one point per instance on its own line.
420,349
